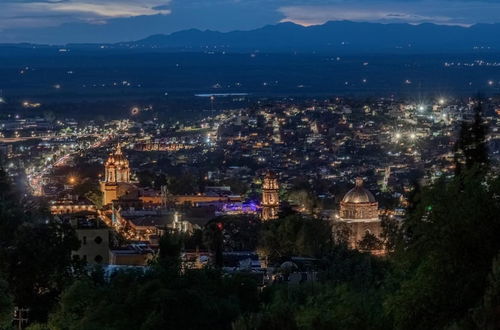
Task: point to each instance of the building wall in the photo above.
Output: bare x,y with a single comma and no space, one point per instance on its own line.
71,208
94,245
359,210
109,192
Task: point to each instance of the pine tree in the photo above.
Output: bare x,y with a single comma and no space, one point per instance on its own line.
471,149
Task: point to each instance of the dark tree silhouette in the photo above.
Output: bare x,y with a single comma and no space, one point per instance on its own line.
471,149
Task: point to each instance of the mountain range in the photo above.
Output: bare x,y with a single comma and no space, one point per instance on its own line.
336,36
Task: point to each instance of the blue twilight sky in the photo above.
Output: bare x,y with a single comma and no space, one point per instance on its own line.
62,21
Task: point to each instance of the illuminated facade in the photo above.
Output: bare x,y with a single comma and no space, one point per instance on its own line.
117,173
270,197
359,211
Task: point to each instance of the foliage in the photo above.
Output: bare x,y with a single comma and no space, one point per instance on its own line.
302,198
471,149
159,298
239,232
183,184
35,252
294,236
90,190
347,296
6,305
450,241
486,315
370,242
237,186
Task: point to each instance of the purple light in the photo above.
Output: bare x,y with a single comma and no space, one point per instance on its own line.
249,207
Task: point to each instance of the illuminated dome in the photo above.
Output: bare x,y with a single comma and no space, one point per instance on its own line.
359,204
117,167
117,158
359,194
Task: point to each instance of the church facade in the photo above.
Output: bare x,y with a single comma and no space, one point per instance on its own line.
359,215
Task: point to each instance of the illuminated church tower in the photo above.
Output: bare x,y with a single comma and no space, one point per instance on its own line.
270,197
117,171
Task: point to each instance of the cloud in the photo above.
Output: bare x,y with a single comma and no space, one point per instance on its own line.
40,13
314,15
109,10
456,12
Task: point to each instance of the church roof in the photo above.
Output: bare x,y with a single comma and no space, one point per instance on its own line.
117,158
359,194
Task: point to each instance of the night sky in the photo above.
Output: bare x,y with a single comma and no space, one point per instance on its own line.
62,21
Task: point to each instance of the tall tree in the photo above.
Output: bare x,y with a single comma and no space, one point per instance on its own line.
471,149
35,251
6,305
443,262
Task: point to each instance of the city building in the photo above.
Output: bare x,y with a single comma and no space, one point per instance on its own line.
359,212
270,197
94,240
68,205
116,183
132,255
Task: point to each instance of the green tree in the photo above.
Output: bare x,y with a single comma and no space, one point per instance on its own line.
35,252
370,242
213,239
294,236
443,262
487,315
302,198
161,297
6,305
471,149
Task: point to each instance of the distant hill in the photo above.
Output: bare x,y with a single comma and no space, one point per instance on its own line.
338,36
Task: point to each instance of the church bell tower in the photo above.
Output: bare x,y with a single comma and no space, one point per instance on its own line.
270,197
117,171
